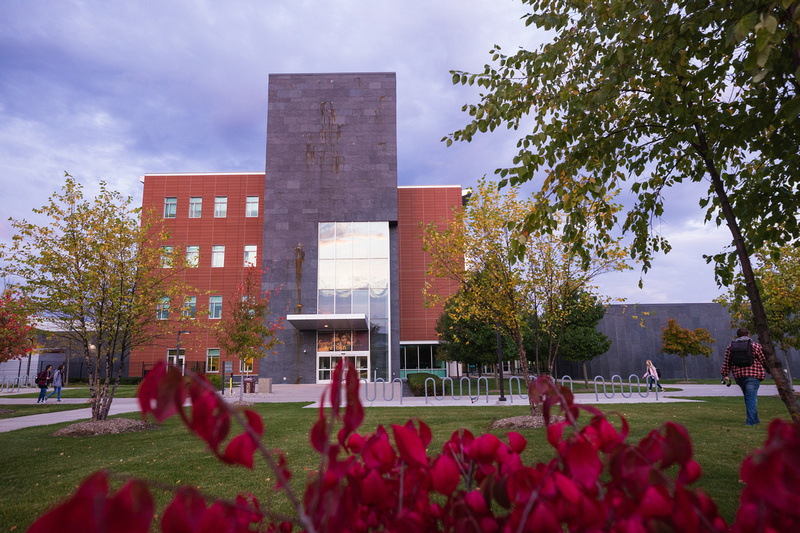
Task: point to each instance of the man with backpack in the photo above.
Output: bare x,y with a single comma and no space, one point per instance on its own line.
747,362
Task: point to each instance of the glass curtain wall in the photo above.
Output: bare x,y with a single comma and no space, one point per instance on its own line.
354,278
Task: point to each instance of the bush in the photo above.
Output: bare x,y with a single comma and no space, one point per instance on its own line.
416,382
386,481
215,380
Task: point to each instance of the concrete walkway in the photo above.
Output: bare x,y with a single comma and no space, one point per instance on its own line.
312,394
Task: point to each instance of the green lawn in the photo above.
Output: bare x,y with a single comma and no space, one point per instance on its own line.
37,470
25,410
77,391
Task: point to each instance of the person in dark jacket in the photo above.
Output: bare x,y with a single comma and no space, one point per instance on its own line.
42,381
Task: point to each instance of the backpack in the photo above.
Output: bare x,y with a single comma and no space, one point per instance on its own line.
740,353
658,371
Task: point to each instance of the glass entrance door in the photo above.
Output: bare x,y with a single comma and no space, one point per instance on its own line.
334,346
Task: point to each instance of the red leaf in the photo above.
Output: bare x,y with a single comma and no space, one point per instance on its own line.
410,446
255,422
162,392
184,512
554,433
517,442
583,463
677,446
655,502
319,433
84,512
354,411
378,452
374,490
689,473
476,502
484,448
130,510
445,475
240,451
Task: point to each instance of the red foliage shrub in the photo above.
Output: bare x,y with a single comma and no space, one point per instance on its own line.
387,481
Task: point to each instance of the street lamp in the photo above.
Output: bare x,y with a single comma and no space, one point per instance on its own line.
178,349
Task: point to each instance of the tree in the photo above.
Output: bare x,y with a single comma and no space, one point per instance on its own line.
468,340
658,95
477,251
581,340
778,276
243,331
94,270
16,331
684,342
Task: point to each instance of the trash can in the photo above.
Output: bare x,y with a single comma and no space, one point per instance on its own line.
249,385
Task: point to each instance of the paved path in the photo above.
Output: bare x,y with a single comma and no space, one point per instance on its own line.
313,393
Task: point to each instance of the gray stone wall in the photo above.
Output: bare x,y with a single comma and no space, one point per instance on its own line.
635,333
331,156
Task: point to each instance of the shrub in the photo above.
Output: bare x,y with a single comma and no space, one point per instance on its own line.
385,480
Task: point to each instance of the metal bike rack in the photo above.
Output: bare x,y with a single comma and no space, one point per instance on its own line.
621,387
461,389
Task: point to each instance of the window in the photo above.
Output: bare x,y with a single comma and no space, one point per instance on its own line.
250,255
215,307
212,360
162,309
192,256
218,256
190,306
220,207
170,206
246,365
195,206
166,256
251,206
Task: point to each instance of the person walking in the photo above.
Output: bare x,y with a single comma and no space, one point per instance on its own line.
745,359
58,382
42,381
652,376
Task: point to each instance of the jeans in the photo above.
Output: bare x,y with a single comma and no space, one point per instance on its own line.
42,392
55,390
650,381
749,388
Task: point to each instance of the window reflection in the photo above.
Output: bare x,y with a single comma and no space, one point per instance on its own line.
344,273
379,303
379,239
343,302
379,273
361,273
361,239
361,302
327,274
344,240
325,303
327,233
360,341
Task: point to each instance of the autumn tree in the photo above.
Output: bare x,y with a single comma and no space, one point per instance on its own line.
244,331
466,339
655,95
684,342
94,270
778,276
17,334
478,252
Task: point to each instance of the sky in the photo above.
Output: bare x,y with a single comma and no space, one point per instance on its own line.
110,91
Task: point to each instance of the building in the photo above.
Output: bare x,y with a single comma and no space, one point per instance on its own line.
328,225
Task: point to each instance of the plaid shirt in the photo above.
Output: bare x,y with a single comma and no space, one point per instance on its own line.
756,370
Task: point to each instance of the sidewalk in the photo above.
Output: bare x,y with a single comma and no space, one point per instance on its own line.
370,398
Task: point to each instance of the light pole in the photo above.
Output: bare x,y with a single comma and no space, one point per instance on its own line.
178,350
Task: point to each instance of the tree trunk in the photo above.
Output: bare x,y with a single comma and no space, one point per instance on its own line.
585,375
523,363
759,314
685,372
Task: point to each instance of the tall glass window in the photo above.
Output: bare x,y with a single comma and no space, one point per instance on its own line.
215,307
170,206
190,306
162,309
251,206
212,360
218,256
192,256
250,252
195,206
353,277
220,207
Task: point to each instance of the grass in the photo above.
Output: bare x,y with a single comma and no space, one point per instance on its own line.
26,410
37,470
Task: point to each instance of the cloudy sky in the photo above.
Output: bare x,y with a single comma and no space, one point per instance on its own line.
113,90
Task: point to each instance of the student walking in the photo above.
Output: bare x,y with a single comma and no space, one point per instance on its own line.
42,380
652,376
745,359
58,382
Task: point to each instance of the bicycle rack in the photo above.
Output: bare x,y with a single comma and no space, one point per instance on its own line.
461,389
375,389
621,387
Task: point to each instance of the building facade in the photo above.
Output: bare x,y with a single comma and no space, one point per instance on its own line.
335,237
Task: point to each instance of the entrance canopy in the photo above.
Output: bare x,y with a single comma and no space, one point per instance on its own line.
328,322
